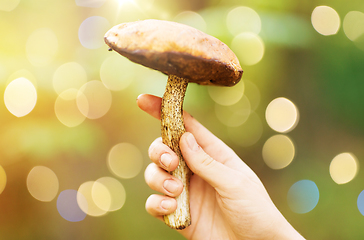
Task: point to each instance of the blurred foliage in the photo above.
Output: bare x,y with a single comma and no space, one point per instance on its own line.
322,75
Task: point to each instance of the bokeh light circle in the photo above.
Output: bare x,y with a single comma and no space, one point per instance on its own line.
94,99
343,168
353,25
125,160
20,97
192,19
67,205
69,75
42,183
117,73
66,107
303,196
325,20
226,96
282,115
243,19
360,202
92,30
42,47
89,206
115,190
3,179
278,151
248,47
101,196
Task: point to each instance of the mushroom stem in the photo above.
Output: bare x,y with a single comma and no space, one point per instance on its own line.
173,127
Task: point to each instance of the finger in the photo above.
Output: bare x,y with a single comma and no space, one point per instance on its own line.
162,155
161,181
158,205
208,141
213,172
150,104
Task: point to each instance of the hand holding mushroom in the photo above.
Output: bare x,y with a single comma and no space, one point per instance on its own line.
228,201
186,55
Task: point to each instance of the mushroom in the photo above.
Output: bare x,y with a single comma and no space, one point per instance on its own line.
186,55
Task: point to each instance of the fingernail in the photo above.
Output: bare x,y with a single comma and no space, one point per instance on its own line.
166,160
166,204
171,186
191,142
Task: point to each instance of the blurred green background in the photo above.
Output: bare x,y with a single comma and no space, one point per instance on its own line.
69,119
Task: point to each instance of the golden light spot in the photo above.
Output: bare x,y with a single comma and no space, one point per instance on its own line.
101,196
92,30
117,73
69,75
2,179
41,47
325,20
85,199
130,10
243,19
282,115
192,19
125,160
8,5
234,115
20,97
226,96
248,133
66,108
95,99
42,183
353,25
343,168
248,47
116,191
278,151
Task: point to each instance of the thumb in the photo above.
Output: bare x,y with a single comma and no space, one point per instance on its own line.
213,172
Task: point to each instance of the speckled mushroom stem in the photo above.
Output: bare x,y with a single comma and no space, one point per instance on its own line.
172,129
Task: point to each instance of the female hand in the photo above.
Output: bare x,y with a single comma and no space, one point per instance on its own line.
227,199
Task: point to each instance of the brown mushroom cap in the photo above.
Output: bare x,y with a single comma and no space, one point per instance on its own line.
176,49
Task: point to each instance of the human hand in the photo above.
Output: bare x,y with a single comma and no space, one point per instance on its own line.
227,199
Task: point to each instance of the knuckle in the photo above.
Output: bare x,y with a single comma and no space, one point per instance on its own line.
207,161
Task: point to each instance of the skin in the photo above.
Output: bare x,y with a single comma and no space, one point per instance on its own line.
227,199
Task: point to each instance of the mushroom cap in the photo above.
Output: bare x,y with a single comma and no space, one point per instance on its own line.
176,49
